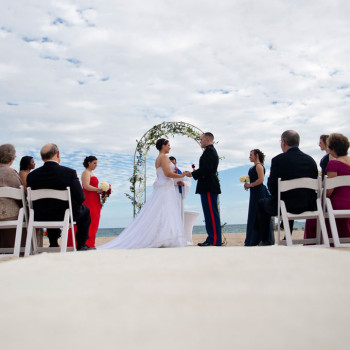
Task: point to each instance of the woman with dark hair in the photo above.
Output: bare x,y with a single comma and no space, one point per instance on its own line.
92,197
257,191
323,146
159,222
26,165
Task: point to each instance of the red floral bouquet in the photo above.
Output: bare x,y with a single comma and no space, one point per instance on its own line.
193,167
106,191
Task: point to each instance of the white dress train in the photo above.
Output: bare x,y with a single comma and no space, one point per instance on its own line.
158,224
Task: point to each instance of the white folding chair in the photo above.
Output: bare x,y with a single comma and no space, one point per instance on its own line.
331,214
65,224
307,183
19,223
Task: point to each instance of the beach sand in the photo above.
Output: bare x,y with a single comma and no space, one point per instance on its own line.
232,239
267,298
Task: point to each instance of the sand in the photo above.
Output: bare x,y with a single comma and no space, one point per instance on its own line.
232,239
181,298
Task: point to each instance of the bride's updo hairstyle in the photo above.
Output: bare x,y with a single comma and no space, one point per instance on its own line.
260,155
87,160
160,143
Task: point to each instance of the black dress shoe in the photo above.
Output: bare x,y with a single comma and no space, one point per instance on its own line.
204,244
85,247
264,243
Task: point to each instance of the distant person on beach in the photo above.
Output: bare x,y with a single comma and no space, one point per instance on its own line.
26,165
208,187
54,176
9,207
92,197
291,164
158,224
257,191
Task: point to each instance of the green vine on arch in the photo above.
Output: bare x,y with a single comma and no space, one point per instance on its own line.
138,182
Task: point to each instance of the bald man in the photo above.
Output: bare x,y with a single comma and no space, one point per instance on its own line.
54,176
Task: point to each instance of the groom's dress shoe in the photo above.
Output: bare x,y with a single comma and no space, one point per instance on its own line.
204,244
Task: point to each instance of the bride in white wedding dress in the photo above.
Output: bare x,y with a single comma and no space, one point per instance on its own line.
159,222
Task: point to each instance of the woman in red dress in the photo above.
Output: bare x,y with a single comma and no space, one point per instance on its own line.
92,197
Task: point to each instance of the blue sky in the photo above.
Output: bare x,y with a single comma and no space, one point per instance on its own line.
94,76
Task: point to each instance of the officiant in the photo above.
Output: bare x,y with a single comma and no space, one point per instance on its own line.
183,186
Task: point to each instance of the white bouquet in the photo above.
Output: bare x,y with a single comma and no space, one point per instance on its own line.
244,178
104,186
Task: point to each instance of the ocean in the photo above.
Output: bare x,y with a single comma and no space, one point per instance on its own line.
237,228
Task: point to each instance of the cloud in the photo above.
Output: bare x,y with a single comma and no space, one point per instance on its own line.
95,76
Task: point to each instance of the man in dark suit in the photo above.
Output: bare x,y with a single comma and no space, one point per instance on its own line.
208,187
291,164
54,176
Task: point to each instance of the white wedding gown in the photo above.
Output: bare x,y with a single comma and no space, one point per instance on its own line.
158,224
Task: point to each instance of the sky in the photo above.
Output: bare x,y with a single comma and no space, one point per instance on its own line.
94,76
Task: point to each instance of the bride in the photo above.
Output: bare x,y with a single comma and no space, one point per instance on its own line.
159,223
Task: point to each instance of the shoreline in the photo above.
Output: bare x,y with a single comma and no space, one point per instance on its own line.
232,239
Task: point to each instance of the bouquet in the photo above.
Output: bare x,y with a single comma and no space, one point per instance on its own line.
244,178
106,191
193,167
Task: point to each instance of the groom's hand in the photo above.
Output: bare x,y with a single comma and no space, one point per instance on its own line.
187,173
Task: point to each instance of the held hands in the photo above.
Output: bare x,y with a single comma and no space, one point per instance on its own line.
187,173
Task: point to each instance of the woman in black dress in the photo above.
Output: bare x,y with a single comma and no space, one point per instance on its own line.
257,191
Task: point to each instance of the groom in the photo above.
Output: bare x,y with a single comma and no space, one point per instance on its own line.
208,187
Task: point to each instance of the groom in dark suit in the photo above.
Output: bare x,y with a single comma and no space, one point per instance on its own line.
54,176
291,164
208,187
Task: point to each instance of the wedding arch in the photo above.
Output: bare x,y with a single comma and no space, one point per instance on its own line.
138,181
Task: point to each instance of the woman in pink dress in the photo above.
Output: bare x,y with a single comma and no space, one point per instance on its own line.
338,146
92,197
338,165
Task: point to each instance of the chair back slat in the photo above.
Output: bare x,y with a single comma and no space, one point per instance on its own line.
47,193
11,192
304,182
338,181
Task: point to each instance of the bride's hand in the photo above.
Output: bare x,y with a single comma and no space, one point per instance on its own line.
187,173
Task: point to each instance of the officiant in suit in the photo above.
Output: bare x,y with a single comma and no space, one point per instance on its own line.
54,176
291,164
208,187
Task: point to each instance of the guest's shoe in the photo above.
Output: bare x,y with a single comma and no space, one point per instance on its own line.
204,244
264,243
54,245
85,247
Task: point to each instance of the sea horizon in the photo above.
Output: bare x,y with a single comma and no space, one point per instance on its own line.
197,229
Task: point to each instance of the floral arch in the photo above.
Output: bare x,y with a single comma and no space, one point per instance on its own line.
138,180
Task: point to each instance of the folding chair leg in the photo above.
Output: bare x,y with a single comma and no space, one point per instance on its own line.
18,239
333,226
29,236
286,225
322,224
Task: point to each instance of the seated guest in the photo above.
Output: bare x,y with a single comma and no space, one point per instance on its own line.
291,164
323,146
54,176
338,146
9,207
25,166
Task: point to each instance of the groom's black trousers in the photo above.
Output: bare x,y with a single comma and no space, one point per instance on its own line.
212,218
